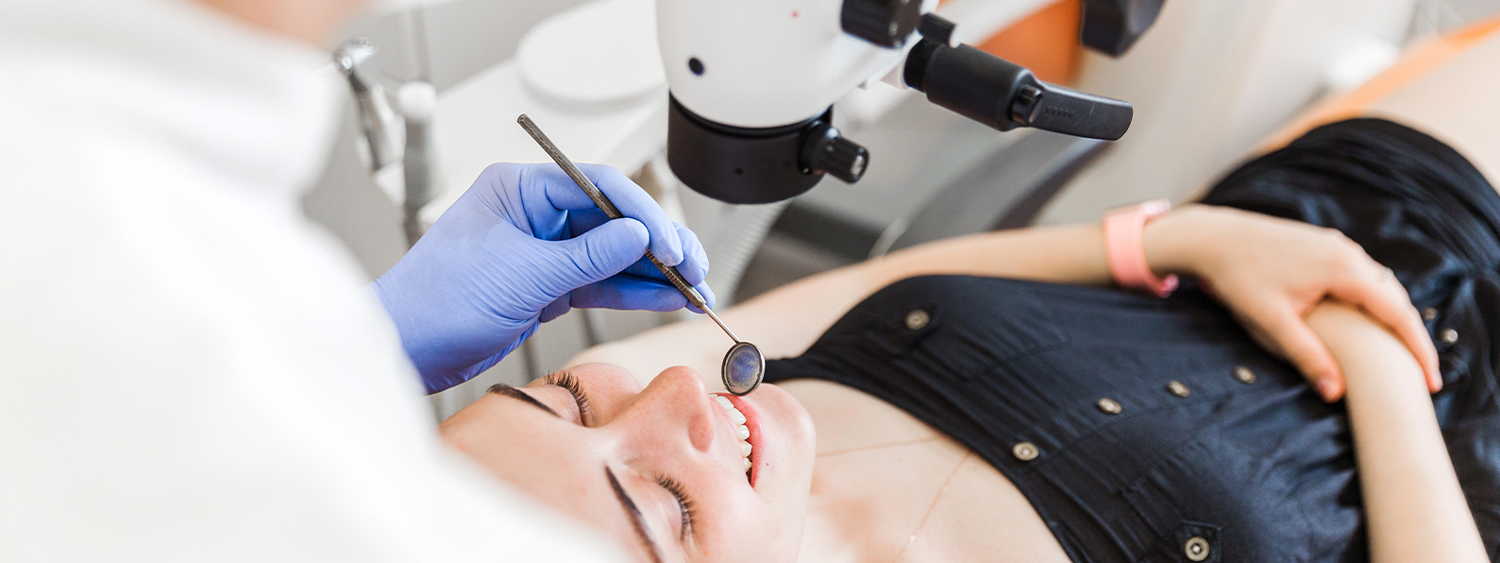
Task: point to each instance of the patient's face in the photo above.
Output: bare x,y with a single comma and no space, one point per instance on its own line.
669,450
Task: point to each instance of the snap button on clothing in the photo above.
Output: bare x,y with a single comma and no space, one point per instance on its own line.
1196,549
1448,336
917,319
1025,451
1244,374
1429,313
1178,389
1109,406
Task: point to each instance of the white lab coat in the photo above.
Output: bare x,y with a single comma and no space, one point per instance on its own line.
189,370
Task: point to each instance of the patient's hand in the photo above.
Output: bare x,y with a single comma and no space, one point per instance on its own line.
1272,272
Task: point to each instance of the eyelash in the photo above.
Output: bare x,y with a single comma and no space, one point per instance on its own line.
570,383
689,510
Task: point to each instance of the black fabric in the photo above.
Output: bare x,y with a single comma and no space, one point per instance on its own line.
1262,471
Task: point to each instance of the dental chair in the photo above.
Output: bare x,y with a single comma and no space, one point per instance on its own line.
1418,63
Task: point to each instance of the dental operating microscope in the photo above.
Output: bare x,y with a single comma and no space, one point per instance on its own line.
753,83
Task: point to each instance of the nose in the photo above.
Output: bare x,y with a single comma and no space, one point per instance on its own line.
675,404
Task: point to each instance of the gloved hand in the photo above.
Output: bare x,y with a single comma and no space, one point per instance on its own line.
522,247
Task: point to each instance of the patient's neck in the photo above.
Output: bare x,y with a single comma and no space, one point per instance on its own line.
830,536
855,512
857,516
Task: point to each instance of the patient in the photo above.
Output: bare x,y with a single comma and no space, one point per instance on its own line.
986,398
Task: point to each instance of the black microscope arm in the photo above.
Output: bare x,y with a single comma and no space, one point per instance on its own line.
1002,94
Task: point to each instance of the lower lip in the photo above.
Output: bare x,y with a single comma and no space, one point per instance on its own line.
752,422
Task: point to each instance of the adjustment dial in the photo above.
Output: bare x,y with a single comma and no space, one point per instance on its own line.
883,22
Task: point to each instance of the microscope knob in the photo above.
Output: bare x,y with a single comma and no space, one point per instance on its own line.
827,150
883,22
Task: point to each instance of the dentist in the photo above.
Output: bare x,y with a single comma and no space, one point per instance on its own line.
190,370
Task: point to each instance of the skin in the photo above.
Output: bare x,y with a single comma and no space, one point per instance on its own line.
1417,510
886,487
1412,498
667,428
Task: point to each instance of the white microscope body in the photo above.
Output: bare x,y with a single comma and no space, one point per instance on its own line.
766,63
753,83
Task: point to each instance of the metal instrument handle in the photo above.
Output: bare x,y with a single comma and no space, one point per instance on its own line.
673,276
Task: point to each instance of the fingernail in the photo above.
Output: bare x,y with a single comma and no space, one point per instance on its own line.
1326,388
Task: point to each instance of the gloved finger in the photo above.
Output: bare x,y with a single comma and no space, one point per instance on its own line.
1387,300
693,269
638,294
487,363
629,293
584,220
555,309
593,256
629,198
1303,348
472,371
708,297
694,266
643,268
518,192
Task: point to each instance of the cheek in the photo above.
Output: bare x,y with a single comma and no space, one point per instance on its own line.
749,528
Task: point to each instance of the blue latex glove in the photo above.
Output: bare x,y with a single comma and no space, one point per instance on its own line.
520,248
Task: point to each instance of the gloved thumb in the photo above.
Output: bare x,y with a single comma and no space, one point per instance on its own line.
604,251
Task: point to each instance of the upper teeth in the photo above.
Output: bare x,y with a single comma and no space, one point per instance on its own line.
739,422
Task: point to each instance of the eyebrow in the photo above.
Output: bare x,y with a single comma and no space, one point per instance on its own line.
517,394
637,520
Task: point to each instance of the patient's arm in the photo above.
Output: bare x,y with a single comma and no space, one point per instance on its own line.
784,322
1272,271
1415,507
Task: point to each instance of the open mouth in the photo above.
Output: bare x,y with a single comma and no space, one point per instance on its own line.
742,428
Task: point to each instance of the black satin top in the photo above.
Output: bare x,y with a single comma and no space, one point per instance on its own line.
1145,429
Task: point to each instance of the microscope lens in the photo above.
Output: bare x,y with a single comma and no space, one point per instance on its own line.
743,368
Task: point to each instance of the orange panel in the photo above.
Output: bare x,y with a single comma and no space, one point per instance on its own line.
1045,42
1412,67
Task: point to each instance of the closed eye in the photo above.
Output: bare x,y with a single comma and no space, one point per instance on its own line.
684,503
569,382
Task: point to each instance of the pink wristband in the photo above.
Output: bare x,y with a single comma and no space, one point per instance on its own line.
1125,248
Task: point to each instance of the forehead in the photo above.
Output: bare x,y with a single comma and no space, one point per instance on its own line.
606,378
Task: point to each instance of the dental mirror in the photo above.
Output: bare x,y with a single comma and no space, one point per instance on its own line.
743,365
743,368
